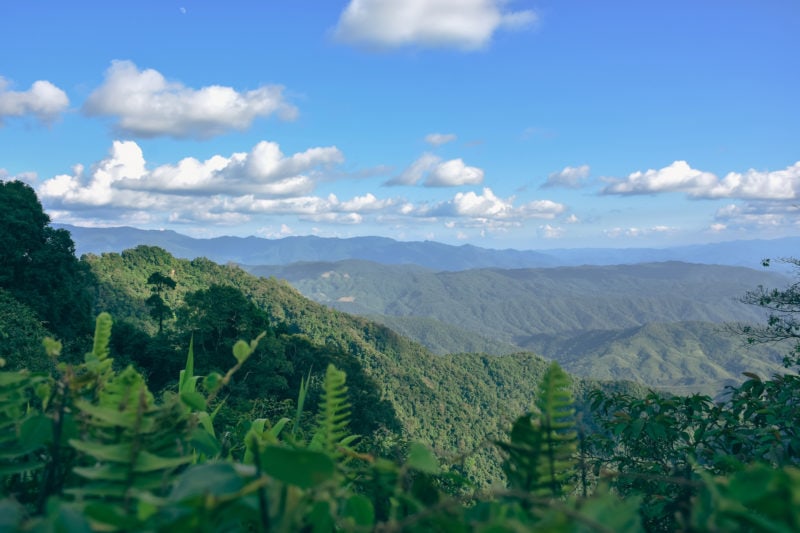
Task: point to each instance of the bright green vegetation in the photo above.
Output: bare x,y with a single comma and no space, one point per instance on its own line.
660,324
216,400
90,448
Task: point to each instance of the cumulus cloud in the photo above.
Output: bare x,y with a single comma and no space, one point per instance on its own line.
753,184
461,24
454,173
43,100
438,139
551,232
570,177
416,171
438,173
680,177
265,170
220,190
757,215
488,206
144,104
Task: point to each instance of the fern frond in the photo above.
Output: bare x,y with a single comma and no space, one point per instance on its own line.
559,430
541,454
102,336
97,361
334,414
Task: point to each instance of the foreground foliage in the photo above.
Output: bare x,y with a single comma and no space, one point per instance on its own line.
90,448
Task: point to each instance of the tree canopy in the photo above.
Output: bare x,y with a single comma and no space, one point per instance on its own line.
39,264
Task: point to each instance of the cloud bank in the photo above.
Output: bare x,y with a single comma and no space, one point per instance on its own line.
261,184
680,177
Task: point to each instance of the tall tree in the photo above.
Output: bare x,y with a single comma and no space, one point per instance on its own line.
159,309
783,320
39,264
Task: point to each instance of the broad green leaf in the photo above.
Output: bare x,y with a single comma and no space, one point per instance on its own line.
359,508
299,467
193,399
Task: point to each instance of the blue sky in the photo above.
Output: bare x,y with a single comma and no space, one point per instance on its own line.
524,124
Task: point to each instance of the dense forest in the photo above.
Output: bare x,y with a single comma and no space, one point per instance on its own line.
142,392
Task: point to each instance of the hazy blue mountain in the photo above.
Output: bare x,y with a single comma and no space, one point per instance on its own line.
432,255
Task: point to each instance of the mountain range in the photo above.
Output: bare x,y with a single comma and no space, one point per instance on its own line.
432,255
635,314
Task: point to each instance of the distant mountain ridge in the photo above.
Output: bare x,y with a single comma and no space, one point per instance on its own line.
428,254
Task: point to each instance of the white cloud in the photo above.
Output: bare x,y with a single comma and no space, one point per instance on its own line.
416,171
123,174
28,177
438,139
487,206
144,104
754,184
570,177
758,215
680,177
551,232
43,100
454,173
436,173
572,219
462,24
634,232
365,203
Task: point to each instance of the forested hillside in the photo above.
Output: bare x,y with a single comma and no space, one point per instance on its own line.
661,324
453,403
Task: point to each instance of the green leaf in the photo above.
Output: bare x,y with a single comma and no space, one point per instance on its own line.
299,467
214,478
320,518
359,508
120,453
193,399
35,432
148,462
422,459
212,381
204,442
241,351
636,427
